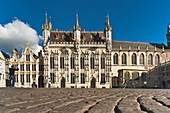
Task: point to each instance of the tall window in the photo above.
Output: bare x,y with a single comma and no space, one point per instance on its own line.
52,77
142,59
124,61
127,76
103,80
157,59
62,61
33,67
82,61
28,78
16,78
135,76
27,57
33,76
22,78
134,59
0,75
107,77
150,60
143,76
92,61
102,61
21,67
72,78
115,58
72,61
41,67
28,67
52,62
82,78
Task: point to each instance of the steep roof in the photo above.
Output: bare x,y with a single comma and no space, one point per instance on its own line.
126,45
5,55
68,36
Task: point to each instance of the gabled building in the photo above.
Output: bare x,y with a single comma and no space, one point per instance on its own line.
4,68
30,67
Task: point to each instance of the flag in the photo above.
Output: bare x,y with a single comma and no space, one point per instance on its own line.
82,40
63,40
91,41
103,38
73,39
84,35
57,35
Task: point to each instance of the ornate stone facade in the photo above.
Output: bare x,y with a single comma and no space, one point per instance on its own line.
30,68
91,59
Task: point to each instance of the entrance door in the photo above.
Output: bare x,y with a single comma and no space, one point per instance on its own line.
63,82
41,81
168,84
164,84
93,83
114,82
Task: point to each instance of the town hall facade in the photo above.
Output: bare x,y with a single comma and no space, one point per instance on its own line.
91,59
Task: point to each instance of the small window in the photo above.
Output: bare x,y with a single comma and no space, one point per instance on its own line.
27,57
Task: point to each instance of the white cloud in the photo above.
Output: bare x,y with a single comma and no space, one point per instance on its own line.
15,34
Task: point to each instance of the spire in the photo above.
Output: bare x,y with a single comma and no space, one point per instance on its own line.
46,19
107,24
77,27
168,29
45,25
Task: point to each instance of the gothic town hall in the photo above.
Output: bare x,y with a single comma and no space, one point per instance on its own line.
91,59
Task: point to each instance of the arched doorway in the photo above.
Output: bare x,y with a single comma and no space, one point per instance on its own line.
41,81
168,84
163,84
63,82
93,83
114,82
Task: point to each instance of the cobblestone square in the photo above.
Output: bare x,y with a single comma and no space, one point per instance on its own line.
21,100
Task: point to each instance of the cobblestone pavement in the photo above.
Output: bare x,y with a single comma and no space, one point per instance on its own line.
15,100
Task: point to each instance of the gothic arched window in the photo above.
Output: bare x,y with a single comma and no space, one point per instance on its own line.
134,59
157,59
143,76
62,61
102,61
142,59
52,62
72,61
135,76
82,61
150,60
127,76
115,58
124,59
92,61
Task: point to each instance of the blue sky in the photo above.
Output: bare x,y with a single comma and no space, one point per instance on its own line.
131,20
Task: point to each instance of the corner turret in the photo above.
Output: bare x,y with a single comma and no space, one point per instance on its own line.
46,29
108,34
168,36
77,30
